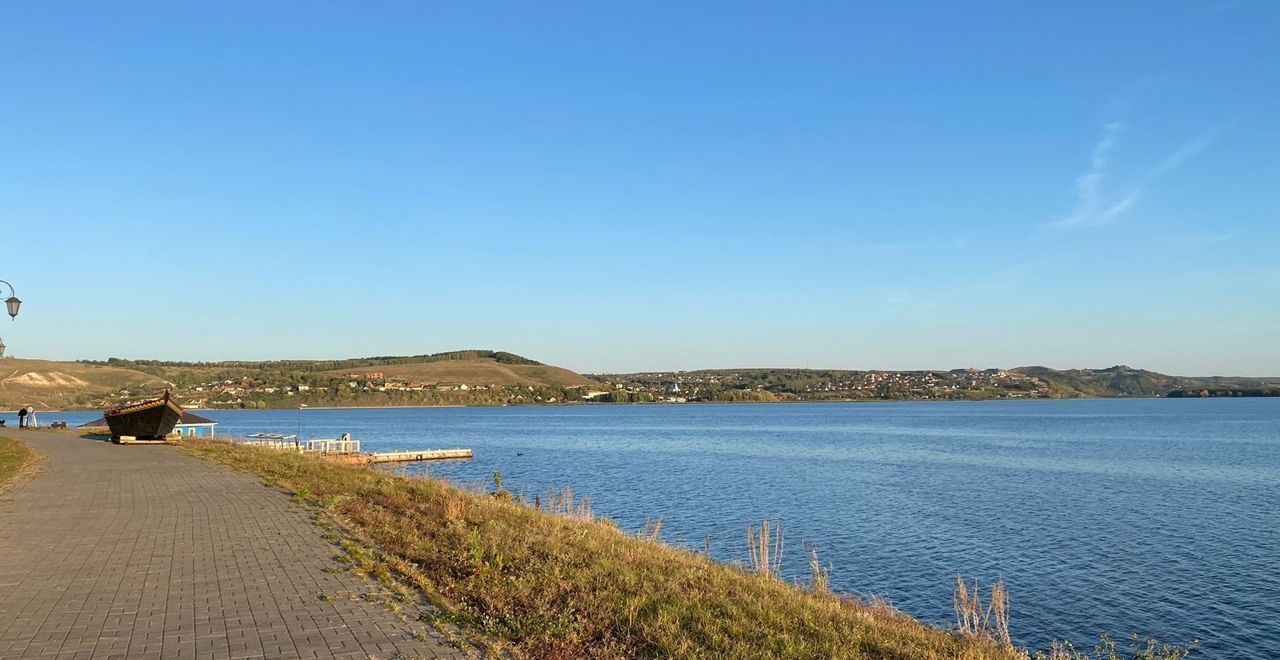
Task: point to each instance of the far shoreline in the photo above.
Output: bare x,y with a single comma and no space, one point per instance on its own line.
673,403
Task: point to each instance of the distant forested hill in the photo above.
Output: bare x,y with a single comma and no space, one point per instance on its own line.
953,384
1127,381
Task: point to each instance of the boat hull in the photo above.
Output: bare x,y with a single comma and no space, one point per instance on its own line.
153,420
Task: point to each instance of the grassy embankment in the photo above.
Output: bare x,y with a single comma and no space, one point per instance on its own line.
569,586
549,580
15,459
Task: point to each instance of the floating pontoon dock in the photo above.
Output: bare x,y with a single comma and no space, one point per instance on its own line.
346,450
402,456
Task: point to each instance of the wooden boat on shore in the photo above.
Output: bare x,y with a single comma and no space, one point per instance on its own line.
149,420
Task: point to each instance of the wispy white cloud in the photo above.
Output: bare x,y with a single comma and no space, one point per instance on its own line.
1087,183
1185,152
1094,207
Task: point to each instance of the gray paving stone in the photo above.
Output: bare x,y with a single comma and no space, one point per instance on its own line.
143,552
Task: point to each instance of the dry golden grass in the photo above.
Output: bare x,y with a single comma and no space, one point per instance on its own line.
15,460
1138,648
990,622
973,619
570,586
765,546
819,575
565,503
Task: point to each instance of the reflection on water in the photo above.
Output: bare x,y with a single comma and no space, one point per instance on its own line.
1152,515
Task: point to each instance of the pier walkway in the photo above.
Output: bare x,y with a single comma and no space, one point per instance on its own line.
144,552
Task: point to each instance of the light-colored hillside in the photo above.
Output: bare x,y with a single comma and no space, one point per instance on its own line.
47,385
478,371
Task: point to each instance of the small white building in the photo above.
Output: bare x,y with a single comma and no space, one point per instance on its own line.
195,426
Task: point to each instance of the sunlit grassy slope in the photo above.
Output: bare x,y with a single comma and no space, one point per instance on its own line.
555,586
47,384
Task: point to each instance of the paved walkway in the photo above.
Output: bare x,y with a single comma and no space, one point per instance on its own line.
143,552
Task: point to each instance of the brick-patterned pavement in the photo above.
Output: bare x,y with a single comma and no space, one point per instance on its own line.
143,552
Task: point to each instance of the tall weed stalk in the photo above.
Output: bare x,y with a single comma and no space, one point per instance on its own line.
765,546
975,620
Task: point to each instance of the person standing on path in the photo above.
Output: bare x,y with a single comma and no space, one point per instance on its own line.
22,417
31,418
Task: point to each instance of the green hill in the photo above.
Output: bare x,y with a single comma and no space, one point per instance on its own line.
469,367
456,377
476,371
51,385
1121,380
471,377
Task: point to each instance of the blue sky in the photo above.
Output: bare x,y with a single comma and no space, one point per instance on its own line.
642,186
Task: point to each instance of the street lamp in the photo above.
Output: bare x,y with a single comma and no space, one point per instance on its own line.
12,303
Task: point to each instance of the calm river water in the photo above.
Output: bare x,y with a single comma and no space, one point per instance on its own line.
1156,516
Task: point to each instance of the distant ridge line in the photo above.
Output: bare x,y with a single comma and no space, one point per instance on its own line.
502,357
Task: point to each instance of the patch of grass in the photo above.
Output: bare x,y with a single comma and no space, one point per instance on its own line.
819,575
15,458
568,586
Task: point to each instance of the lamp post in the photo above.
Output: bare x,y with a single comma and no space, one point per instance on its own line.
300,407
12,303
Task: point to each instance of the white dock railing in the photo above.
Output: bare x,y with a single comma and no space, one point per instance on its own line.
273,441
332,446
347,450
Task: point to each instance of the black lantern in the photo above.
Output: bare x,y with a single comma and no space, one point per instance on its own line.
12,303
